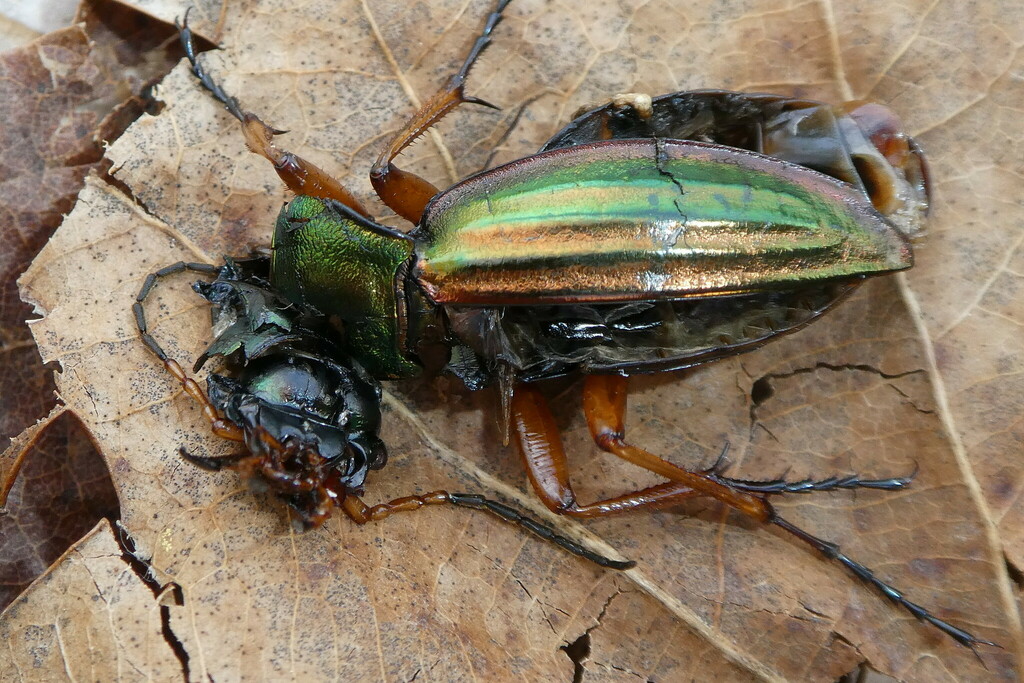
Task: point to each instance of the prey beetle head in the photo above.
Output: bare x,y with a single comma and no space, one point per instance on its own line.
895,172
309,416
861,143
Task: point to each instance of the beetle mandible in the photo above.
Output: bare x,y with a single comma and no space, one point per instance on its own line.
648,235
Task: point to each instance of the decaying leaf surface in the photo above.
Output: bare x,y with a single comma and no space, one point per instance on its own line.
62,488
61,97
89,618
50,153
441,595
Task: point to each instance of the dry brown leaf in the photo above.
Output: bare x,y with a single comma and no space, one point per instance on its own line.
898,375
44,88
88,618
56,98
61,97
62,490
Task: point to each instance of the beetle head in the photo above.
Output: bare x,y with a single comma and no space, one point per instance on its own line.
310,427
892,167
310,416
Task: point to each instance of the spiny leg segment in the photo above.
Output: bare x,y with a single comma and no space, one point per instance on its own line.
302,177
405,193
604,405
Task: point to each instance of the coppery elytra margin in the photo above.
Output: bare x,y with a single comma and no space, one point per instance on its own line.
647,235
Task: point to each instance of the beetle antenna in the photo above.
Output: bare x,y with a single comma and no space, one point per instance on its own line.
478,502
147,287
221,427
360,513
832,551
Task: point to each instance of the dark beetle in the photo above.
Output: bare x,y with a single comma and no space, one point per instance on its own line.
647,235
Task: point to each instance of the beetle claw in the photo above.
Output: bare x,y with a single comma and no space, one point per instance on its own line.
482,103
212,463
721,463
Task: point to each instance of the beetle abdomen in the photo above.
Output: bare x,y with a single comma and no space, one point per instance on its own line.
637,337
647,219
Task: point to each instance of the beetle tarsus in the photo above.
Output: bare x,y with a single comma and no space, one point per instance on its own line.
482,41
478,502
833,552
832,483
188,44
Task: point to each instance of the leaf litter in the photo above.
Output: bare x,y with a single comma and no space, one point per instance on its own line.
876,387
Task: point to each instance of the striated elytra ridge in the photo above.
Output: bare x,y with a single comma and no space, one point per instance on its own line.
637,219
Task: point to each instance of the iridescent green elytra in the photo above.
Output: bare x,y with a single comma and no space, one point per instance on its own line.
628,220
